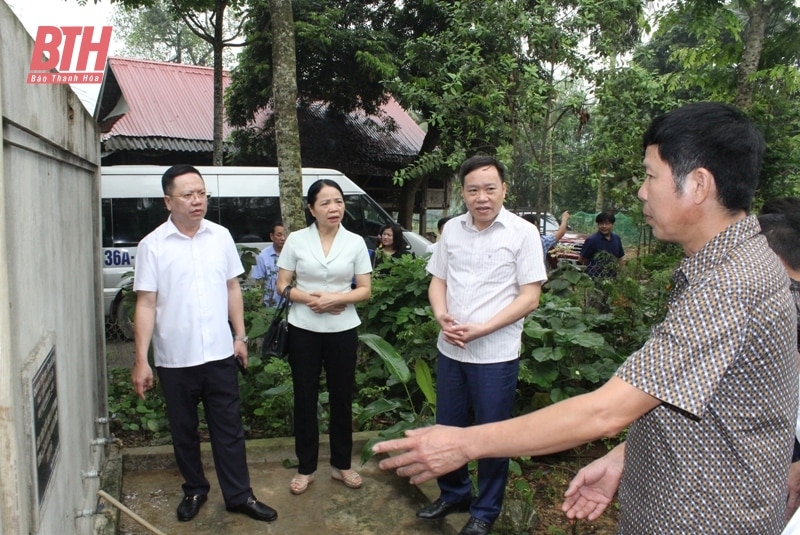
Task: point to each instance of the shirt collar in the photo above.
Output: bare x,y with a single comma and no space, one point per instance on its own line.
503,217
713,252
172,229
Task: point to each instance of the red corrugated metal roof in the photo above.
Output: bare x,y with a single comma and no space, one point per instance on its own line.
170,100
156,106
408,133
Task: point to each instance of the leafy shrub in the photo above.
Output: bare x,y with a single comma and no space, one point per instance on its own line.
399,314
267,396
574,342
398,310
584,329
130,413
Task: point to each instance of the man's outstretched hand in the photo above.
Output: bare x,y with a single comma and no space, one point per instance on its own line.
428,452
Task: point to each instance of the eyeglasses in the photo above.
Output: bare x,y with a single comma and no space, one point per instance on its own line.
192,195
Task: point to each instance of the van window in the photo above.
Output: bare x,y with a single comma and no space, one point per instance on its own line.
127,221
364,218
247,218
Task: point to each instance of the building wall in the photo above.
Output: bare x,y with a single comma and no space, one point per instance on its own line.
50,299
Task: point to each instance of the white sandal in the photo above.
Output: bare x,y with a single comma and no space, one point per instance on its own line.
300,483
350,478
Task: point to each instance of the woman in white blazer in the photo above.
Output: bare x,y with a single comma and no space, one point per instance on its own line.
323,260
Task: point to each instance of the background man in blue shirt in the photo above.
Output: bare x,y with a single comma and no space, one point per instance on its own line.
602,250
266,264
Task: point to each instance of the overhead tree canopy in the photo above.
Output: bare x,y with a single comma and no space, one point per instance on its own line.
156,32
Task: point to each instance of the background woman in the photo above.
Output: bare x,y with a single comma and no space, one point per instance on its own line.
323,259
390,243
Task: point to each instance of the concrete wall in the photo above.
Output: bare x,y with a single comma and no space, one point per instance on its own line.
50,297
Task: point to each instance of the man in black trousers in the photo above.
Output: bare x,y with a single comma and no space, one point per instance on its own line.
187,291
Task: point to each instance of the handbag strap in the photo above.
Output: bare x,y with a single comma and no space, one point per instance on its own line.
285,302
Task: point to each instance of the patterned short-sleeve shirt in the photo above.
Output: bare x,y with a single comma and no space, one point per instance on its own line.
714,456
795,287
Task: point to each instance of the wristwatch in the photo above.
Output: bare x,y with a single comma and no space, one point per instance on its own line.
241,339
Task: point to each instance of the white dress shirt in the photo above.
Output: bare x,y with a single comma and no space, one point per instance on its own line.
189,276
483,271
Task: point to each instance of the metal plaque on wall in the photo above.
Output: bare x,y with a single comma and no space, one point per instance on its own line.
45,421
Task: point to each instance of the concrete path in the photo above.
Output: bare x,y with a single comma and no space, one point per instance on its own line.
150,486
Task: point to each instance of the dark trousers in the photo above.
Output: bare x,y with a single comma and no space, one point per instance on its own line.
309,352
216,385
476,393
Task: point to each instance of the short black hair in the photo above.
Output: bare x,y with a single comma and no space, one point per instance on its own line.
605,217
169,176
314,189
442,221
717,137
477,162
274,225
781,205
783,235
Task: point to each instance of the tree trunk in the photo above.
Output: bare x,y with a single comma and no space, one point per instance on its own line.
751,54
408,191
218,45
600,199
287,132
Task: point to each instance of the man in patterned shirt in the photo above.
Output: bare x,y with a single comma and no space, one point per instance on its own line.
782,231
711,397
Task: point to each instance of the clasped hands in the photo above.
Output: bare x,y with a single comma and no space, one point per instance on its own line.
458,334
325,303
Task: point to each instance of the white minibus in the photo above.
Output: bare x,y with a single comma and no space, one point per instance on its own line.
245,200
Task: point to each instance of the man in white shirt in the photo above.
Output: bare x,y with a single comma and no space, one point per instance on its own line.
487,273
186,293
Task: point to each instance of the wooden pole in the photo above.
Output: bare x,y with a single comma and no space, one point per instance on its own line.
103,494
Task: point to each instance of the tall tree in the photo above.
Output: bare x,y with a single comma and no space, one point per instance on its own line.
493,76
705,51
342,59
287,133
206,19
154,32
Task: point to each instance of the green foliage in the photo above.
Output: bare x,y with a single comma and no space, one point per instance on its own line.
343,55
128,412
564,354
267,396
407,417
398,310
584,329
155,31
248,256
697,53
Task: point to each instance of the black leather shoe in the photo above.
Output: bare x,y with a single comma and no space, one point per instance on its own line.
441,508
475,526
190,506
255,510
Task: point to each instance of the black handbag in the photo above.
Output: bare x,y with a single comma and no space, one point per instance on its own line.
276,339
